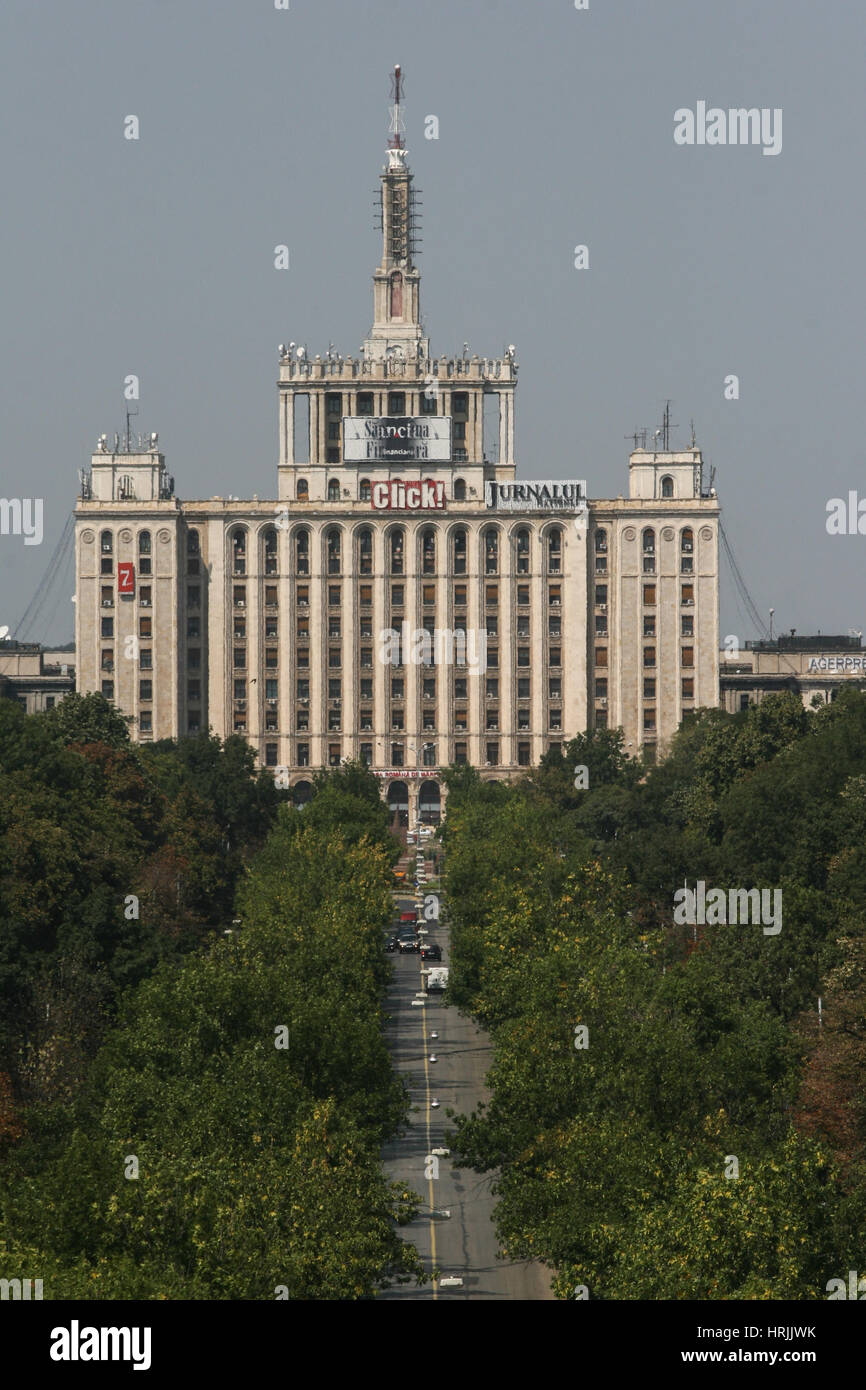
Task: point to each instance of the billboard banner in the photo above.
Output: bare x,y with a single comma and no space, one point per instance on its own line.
125,577
396,438
537,495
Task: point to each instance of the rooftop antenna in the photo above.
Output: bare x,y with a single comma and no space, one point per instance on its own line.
635,436
129,413
694,440
667,427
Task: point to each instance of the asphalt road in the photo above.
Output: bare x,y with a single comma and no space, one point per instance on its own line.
462,1245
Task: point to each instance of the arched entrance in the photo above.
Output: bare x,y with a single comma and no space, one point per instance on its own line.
302,792
398,804
429,804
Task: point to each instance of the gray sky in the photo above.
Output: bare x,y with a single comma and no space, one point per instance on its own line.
261,126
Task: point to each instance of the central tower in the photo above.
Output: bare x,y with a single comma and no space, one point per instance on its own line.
397,329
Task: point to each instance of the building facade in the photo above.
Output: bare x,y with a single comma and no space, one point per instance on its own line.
405,599
814,668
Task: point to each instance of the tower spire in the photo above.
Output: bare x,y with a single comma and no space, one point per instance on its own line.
396,331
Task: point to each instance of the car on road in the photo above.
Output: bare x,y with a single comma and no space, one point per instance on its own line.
408,943
430,951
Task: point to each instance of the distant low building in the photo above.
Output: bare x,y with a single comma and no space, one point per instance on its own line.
34,676
808,666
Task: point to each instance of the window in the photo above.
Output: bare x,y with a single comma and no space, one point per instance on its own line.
459,427
270,658
365,595
240,596
333,721
49,701
240,689
193,690
523,688
428,755
554,595
428,595
144,552
396,402
366,658
365,688
601,656
556,719
240,658
272,688
365,490
333,404
335,658
428,552
601,688
396,595
523,656
687,545
396,552
601,595
303,629
689,688
302,552
429,688
688,625
333,486
492,623
333,541
600,541
649,624
492,595
744,702
459,552
365,551
649,720
108,689
107,627
334,595
667,487
367,753
269,541
270,755
601,624
193,658
688,594
523,594
491,551
459,490
523,625
460,753
107,596
145,722
649,656
554,552
271,628
106,542
492,719
688,657
649,688
459,687
239,722
428,720
366,718
303,490
303,755
239,552
303,688
145,659
193,596
600,718
193,627
333,755
554,688
364,403
459,402
270,721
397,720
145,690
493,657
649,551
523,551
491,689
397,688
428,402
107,663
492,752
396,755
144,627
523,719
523,755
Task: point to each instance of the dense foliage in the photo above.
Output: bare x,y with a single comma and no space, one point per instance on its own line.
192,1104
703,1044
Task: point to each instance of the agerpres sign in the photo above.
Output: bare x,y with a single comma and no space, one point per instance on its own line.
396,438
837,663
417,495
547,495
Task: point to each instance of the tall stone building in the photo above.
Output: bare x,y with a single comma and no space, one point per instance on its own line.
405,599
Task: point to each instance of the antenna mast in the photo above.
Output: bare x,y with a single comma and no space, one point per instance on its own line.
398,128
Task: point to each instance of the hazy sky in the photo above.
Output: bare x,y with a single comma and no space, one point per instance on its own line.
261,126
